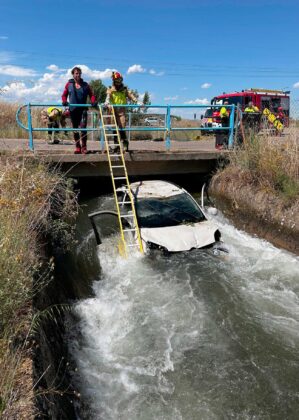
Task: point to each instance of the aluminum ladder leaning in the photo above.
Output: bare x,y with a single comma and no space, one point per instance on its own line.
117,164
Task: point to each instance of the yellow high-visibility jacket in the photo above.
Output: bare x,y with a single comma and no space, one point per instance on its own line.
119,97
224,112
252,108
54,113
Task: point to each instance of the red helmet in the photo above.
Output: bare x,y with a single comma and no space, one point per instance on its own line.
116,76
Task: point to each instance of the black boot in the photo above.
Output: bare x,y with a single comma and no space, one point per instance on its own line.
124,140
126,145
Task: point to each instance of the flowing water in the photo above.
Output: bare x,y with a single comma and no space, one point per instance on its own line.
191,336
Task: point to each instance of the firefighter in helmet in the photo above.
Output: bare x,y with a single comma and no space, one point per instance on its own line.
251,118
54,117
222,136
119,94
251,108
224,115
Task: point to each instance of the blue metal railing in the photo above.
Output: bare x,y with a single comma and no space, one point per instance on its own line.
167,128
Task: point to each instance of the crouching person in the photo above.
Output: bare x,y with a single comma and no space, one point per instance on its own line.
53,117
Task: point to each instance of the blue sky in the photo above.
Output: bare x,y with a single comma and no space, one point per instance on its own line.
180,51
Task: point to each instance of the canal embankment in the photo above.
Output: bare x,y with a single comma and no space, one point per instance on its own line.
37,212
257,211
41,258
258,189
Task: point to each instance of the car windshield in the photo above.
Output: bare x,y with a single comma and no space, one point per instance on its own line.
169,211
209,113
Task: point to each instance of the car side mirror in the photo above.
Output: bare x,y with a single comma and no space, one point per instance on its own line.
212,211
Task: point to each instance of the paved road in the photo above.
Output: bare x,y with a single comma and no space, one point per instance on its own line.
67,147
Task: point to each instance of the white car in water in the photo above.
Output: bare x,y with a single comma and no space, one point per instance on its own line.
170,219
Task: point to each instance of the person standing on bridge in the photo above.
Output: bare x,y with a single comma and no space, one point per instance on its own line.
118,94
77,91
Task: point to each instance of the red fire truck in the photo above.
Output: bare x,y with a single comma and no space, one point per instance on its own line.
262,98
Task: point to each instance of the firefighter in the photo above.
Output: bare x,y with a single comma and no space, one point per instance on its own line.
222,135
119,94
251,118
280,115
251,108
224,115
54,117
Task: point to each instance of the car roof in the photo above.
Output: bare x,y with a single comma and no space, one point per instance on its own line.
153,188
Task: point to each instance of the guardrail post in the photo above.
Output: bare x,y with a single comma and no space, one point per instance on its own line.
130,121
231,127
94,123
168,123
31,146
102,138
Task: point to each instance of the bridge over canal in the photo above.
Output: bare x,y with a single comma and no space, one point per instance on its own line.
146,158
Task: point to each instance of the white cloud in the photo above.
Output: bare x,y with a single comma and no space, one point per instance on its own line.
184,88
16,71
141,96
155,73
198,101
171,98
46,89
296,85
88,73
53,67
206,85
136,68
3,38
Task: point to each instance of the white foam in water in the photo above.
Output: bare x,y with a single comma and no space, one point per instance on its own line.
145,325
128,330
269,279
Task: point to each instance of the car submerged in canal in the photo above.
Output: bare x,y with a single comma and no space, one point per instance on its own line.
169,218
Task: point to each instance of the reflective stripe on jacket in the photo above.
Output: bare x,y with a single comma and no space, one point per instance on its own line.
119,97
251,109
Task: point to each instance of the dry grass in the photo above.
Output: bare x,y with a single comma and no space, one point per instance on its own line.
33,201
10,128
271,162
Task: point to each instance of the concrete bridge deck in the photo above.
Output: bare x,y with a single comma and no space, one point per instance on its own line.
145,157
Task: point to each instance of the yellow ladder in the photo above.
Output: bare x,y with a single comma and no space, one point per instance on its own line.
117,164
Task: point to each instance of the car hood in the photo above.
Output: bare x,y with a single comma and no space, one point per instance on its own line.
181,237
